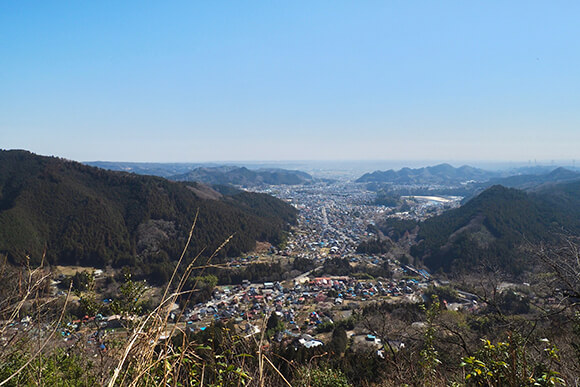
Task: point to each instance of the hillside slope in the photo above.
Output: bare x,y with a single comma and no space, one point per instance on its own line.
492,227
89,216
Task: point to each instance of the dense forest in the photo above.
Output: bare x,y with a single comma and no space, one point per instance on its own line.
82,215
492,227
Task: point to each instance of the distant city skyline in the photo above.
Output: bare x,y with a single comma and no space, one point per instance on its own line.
421,81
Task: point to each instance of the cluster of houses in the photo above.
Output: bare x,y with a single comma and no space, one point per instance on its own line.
302,305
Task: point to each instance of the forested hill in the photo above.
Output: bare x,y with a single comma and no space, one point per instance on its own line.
89,216
244,176
439,174
492,227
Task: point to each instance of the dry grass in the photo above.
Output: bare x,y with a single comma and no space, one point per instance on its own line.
153,352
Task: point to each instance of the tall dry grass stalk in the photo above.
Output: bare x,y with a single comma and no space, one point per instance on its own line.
140,350
157,351
161,353
30,283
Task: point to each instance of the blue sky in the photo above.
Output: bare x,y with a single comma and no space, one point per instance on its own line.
291,80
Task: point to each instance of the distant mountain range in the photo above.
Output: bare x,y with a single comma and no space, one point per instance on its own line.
243,176
465,181
442,174
211,173
84,215
534,181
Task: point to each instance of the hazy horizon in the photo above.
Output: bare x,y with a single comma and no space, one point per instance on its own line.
363,165
347,164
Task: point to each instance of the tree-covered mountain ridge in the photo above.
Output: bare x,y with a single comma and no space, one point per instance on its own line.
491,228
84,215
437,174
243,176
466,181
